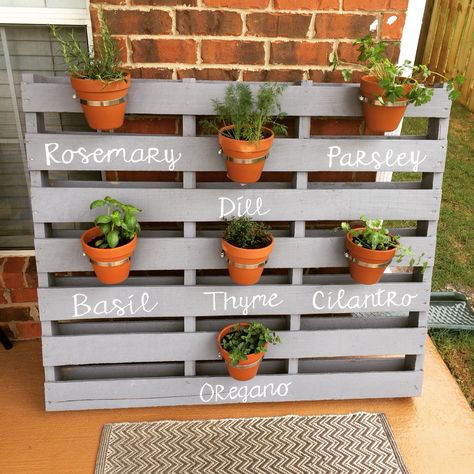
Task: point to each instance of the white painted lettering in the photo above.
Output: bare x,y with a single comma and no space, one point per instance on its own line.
114,307
242,393
245,304
361,159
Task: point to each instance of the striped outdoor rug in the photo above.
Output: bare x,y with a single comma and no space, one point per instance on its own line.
336,444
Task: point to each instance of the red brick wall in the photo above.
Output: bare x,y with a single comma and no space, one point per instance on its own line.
283,40
18,297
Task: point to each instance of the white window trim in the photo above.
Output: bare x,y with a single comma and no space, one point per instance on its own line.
44,16
47,16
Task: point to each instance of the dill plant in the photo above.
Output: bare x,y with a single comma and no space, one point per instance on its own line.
101,63
248,114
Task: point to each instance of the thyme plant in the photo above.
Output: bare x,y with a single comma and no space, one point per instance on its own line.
393,77
119,225
374,236
248,114
102,63
245,340
245,233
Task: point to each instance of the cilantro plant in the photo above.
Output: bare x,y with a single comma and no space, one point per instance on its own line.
119,225
393,77
248,114
245,233
374,236
245,340
102,63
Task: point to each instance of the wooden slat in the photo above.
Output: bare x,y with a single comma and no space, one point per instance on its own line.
167,153
167,347
77,395
65,255
170,369
170,301
181,205
176,98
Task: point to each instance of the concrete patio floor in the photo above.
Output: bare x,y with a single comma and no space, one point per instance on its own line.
435,433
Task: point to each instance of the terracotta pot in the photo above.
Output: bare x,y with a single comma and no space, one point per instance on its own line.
365,265
102,116
246,265
245,160
245,369
111,266
381,118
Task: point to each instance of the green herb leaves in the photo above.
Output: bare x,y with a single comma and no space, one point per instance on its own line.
102,64
245,340
374,236
245,233
119,225
247,114
398,81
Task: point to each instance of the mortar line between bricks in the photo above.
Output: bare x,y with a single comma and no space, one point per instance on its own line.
137,36
145,8
23,271
311,28
245,67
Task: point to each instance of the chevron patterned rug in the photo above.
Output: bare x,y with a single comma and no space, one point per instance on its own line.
333,444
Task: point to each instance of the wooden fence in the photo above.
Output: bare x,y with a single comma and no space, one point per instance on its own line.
151,340
447,42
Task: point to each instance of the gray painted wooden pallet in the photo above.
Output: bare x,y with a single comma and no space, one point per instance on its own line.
151,340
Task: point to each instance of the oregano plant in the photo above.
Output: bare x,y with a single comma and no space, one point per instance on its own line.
245,233
374,236
393,78
119,224
245,340
248,114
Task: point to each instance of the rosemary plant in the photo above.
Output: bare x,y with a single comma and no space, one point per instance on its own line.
102,63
